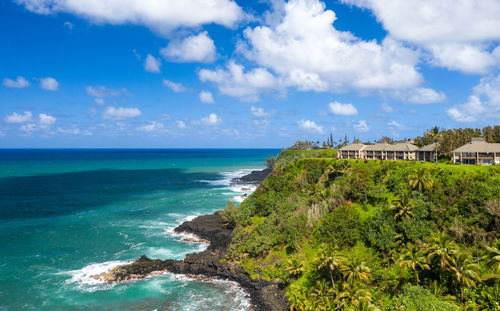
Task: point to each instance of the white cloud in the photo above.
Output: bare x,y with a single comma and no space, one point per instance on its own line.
483,103
211,120
102,91
19,118
46,119
424,95
153,126
69,25
49,84
342,109
395,125
99,101
456,33
310,126
361,126
206,97
234,81
69,130
197,48
29,128
159,15
302,46
152,64
181,124
176,87
19,83
259,112
120,113
386,108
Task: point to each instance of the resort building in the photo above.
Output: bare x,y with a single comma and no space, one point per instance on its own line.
352,151
478,151
382,151
427,153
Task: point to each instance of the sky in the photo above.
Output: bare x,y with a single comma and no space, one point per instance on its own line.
244,73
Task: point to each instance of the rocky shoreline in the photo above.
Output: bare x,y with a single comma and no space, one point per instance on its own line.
207,264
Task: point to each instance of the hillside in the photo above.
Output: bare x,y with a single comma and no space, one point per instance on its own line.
361,235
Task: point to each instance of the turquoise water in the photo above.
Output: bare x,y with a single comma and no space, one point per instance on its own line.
66,215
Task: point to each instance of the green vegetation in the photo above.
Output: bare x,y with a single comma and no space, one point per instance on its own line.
368,235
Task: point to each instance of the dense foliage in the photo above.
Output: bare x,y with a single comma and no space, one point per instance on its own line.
362,235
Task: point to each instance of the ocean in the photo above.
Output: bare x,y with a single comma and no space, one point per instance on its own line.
66,215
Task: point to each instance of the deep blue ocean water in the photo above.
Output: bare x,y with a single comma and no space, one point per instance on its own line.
66,215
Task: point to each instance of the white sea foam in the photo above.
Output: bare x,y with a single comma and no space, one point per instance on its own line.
84,279
241,190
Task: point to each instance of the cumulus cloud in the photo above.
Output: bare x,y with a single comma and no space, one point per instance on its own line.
457,34
28,129
301,45
424,95
46,120
181,124
198,48
361,126
176,87
19,118
49,84
153,126
310,126
152,64
159,15
258,112
206,97
120,113
235,81
482,104
19,83
342,109
211,120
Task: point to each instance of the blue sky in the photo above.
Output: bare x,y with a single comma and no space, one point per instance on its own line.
223,73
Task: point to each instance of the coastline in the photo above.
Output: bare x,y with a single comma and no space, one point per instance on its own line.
207,265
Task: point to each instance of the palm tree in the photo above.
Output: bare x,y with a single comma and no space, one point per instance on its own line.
441,248
403,206
415,260
352,270
420,179
331,261
465,271
359,299
493,256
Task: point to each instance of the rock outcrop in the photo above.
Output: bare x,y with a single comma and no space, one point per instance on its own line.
207,264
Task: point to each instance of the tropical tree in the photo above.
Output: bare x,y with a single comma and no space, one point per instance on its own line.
492,256
353,298
414,259
420,179
441,248
352,269
403,206
329,260
465,271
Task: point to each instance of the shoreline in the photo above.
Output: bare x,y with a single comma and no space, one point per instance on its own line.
207,265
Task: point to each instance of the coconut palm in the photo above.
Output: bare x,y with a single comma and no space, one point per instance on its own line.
415,260
441,248
465,271
492,256
420,179
353,298
353,269
329,260
403,206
